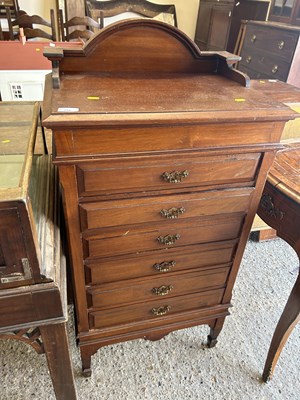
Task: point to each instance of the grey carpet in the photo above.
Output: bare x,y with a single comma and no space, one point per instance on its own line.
179,367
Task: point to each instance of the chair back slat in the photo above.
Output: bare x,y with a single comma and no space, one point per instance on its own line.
84,28
33,26
101,10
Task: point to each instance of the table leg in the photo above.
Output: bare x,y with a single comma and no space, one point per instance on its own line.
56,348
288,320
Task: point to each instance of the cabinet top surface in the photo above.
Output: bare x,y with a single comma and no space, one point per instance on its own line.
143,71
138,97
275,25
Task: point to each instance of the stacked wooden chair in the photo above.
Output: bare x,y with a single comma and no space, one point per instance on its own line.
99,10
34,26
77,28
12,5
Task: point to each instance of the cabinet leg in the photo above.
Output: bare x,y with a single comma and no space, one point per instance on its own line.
215,330
56,347
86,360
288,320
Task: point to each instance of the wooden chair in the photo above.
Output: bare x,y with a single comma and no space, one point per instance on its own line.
88,25
101,10
31,26
1,33
13,6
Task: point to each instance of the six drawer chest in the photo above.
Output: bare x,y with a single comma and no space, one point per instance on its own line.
270,50
162,154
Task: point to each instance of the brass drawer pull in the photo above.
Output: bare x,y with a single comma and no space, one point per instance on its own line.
248,59
160,310
164,266
175,176
253,38
281,44
162,290
172,212
275,69
168,239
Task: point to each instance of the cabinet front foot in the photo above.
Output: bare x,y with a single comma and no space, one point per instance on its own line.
86,372
215,329
211,342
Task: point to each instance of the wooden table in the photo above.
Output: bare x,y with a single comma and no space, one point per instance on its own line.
280,208
32,264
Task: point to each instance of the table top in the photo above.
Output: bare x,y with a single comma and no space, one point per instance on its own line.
31,54
277,90
285,172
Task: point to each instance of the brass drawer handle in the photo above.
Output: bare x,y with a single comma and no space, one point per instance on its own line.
168,239
162,290
164,266
160,310
281,44
275,69
253,38
175,176
248,59
172,212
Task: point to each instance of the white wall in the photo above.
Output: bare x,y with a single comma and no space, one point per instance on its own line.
187,12
38,7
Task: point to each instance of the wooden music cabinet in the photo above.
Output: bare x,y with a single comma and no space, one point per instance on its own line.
162,153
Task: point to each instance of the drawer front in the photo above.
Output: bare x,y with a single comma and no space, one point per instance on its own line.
251,72
278,42
163,208
269,66
156,263
125,140
137,291
134,240
131,175
154,309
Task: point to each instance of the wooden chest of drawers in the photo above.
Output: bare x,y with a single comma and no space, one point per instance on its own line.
162,156
271,50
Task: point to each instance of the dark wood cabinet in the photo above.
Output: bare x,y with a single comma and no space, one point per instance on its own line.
271,50
287,12
162,154
219,22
